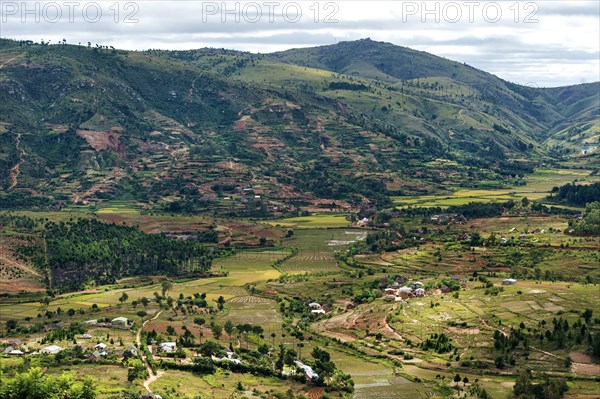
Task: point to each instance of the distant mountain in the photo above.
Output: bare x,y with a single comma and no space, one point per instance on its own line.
183,130
555,108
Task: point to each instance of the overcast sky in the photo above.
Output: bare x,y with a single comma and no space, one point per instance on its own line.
543,43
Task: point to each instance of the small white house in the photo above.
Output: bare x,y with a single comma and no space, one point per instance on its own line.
508,281
52,349
120,321
229,357
314,305
168,347
419,292
363,222
317,311
100,347
307,369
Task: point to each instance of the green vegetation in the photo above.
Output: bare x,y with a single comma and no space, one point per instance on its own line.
34,384
299,224
576,195
590,222
85,250
397,122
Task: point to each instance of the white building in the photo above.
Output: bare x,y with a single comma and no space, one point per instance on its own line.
52,349
168,347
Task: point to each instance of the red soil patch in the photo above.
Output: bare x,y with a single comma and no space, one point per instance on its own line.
587,369
268,233
101,141
315,392
161,327
579,357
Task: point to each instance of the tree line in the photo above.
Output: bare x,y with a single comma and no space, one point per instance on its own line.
87,251
576,194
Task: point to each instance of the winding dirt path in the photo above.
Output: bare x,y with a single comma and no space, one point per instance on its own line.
138,338
16,170
11,262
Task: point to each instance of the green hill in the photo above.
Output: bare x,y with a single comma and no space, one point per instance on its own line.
345,123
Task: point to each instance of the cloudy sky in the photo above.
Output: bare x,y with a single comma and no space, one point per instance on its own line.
538,43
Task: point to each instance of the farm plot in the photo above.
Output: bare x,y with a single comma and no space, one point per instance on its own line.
317,248
538,187
219,385
374,380
246,267
252,311
315,221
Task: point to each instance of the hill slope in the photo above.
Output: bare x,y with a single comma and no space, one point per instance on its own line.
343,123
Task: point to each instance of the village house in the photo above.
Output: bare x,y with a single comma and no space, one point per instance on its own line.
419,292
350,305
96,355
509,281
363,222
51,350
12,351
405,292
310,374
133,350
54,326
229,357
119,321
314,305
167,347
317,312
100,346
448,218
15,343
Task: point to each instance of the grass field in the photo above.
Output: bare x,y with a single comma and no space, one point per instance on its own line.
538,187
244,268
254,286
176,384
315,221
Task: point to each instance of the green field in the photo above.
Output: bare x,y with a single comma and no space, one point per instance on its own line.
314,221
317,247
537,188
244,268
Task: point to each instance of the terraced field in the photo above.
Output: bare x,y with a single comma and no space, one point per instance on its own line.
317,248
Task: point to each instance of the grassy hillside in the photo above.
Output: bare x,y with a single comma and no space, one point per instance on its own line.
248,135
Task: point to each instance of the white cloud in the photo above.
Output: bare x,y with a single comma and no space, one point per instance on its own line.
548,42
